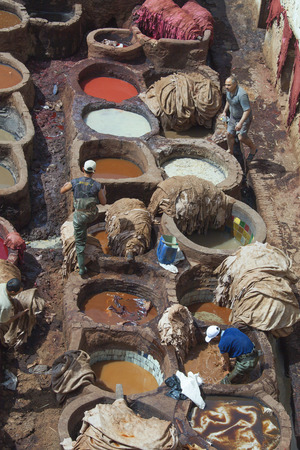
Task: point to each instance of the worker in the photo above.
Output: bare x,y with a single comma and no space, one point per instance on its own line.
234,344
7,310
240,118
87,193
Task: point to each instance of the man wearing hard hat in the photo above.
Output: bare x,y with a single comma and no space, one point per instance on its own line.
234,344
87,194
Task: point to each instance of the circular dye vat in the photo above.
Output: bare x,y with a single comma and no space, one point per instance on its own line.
6,178
134,379
211,313
53,16
110,89
6,136
200,167
9,76
116,168
215,239
206,359
3,250
191,133
8,19
103,239
119,308
234,423
117,122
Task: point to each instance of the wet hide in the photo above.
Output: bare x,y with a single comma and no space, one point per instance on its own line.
128,227
181,101
117,427
92,249
256,283
201,16
176,328
295,89
20,329
8,271
70,371
193,203
14,241
157,19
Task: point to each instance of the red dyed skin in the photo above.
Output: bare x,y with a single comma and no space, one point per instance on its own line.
3,250
110,89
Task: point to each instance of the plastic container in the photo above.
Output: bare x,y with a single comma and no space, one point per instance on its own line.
167,249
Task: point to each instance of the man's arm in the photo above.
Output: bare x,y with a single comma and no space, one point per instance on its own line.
226,108
226,361
242,119
102,196
66,187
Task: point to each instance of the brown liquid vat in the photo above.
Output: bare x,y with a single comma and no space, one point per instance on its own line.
116,276
53,38
245,217
14,201
188,435
16,39
96,49
5,229
135,151
167,149
25,87
174,53
18,122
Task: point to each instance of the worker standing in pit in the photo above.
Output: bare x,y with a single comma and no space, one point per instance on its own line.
87,193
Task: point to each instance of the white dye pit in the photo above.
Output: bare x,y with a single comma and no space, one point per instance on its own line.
200,167
6,178
117,122
215,239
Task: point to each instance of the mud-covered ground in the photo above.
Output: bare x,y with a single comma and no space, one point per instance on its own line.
29,415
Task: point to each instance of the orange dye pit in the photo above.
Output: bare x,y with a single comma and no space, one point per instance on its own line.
110,89
102,238
133,378
127,310
8,76
210,313
8,19
116,168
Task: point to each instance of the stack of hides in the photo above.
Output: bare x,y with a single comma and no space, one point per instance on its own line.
128,227
255,283
193,203
164,19
116,426
184,100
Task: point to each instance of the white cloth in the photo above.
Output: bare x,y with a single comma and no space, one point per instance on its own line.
6,307
190,387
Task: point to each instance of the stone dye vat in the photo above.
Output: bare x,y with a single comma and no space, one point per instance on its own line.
136,372
108,312
130,124
135,154
16,123
56,32
115,43
14,32
108,88
15,78
119,308
245,225
201,158
174,53
14,199
7,253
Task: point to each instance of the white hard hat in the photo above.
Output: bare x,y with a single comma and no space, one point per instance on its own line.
89,166
212,332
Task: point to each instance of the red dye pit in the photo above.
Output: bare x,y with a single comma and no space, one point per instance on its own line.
3,250
110,89
116,168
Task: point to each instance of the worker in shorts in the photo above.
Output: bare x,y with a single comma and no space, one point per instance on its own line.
240,116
